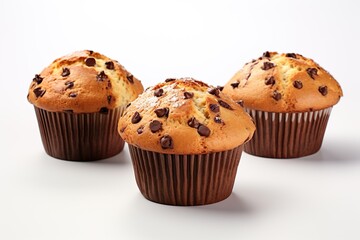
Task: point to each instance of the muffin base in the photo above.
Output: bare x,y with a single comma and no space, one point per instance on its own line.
185,180
287,135
80,136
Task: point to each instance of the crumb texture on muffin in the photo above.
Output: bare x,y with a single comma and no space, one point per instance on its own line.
287,82
83,82
185,116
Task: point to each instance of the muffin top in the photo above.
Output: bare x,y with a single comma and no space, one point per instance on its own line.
185,116
284,83
83,82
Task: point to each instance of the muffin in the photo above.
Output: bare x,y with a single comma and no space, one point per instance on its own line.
78,100
290,97
185,140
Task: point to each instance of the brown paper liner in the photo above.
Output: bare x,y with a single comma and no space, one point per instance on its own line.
287,135
185,179
80,136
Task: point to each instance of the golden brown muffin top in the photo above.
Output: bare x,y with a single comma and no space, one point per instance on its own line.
284,83
185,116
83,82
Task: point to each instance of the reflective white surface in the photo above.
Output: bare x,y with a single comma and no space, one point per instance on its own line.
316,197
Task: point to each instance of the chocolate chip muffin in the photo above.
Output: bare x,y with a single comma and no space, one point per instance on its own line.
78,100
290,97
185,140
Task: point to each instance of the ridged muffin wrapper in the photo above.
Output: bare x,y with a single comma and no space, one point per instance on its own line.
185,180
80,136
287,135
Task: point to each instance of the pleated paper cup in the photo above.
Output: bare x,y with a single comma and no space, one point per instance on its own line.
80,136
287,135
185,180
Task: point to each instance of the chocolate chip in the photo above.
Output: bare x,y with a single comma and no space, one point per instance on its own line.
217,119
214,108
166,142
224,104
188,95
69,85
101,76
170,79
90,62
158,92
65,72
104,110
161,112
267,66
323,90
128,105
203,130
270,81
136,118
266,54
109,65
291,55
140,130
155,126
297,84
276,95
241,103
312,72
220,88
130,77
39,92
193,123
235,84
214,91
72,95
109,99
109,84
37,79
91,52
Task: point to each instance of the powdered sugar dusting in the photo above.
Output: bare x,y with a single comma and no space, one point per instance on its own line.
178,104
174,98
148,102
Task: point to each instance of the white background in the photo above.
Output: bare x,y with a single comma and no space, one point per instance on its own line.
316,197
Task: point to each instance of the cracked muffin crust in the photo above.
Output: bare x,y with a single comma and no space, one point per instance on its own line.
83,82
185,116
285,82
